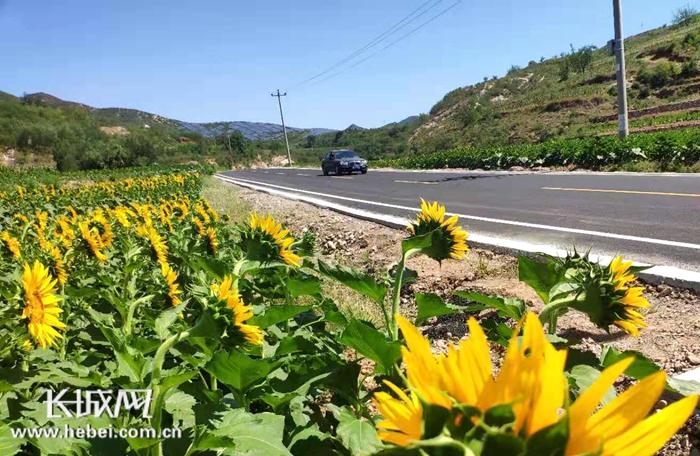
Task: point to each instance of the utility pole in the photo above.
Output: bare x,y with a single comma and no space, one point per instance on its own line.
624,130
284,127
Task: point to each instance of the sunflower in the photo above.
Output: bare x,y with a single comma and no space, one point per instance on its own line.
73,214
64,232
620,427
620,270
533,383
42,219
170,277
464,375
22,218
123,215
202,212
106,234
449,239
41,305
626,301
213,241
227,292
93,240
160,248
199,226
59,265
265,230
12,245
403,417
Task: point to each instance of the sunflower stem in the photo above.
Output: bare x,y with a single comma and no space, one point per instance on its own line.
550,313
157,395
398,284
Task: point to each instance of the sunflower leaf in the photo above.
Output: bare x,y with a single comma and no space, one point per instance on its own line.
432,305
277,314
357,434
357,280
371,343
540,274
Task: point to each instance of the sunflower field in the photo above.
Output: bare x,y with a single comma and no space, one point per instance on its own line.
132,281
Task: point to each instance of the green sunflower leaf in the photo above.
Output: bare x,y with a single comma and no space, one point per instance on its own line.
371,343
357,434
432,305
357,280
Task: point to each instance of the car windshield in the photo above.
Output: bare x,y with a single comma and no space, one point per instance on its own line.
346,154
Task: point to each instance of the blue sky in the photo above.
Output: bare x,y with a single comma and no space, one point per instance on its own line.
219,60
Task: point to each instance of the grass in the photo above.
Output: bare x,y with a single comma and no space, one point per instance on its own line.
224,198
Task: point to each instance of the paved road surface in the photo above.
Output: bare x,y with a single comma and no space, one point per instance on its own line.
649,218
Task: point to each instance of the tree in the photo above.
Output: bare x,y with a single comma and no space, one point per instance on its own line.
684,15
235,144
581,59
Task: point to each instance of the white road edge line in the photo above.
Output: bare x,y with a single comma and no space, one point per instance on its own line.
686,245
656,274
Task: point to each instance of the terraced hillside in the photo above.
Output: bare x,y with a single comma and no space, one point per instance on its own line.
574,95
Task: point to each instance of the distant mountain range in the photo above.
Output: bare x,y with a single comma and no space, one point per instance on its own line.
133,117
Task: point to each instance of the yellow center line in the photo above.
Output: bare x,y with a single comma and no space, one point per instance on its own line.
630,192
415,182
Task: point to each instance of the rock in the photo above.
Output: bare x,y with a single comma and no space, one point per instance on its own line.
664,291
693,358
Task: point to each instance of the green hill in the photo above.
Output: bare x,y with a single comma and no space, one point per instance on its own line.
570,96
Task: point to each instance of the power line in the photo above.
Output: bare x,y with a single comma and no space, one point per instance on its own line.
403,37
406,20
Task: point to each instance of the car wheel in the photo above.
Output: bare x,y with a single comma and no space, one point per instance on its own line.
337,171
325,171
364,171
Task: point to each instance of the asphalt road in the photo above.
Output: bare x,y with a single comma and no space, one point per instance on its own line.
649,218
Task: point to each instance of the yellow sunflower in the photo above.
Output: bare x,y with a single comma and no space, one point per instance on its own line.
160,248
620,270
59,265
449,240
93,240
620,428
64,232
170,277
202,211
227,292
123,215
213,241
627,301
272,231
41,305
106,234
403,417
532,381
12,245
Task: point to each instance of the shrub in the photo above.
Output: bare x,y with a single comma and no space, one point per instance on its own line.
513,69
667,149
689,69
684,15
660,75
692,40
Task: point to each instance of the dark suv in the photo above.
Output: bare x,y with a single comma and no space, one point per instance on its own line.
343,161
